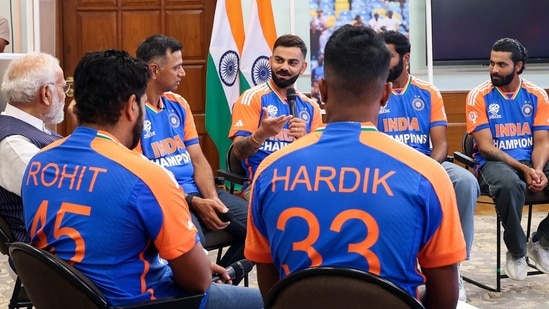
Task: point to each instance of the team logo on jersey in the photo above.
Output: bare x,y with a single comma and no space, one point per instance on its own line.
527,109
272,111
418,104
174,120
147,127
473,116
384,109
305,116
261,71
228,67
493,109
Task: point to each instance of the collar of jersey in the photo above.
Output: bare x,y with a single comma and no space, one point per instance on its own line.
403,90
364,126
504,94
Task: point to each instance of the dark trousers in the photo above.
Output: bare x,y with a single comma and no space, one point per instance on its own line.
508,188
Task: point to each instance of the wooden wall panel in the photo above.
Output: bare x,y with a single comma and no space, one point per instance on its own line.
192,80
454,104
185,25
137,25
96,3
98,31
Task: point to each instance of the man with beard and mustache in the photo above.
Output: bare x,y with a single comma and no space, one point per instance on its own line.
261,119
35,89
508,118
415,116
114,215
170,139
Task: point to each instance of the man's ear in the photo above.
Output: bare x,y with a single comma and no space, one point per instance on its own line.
131,109
45,95
323,89
153,67
303,67
387,88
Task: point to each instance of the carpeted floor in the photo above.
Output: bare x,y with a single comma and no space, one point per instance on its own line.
528,294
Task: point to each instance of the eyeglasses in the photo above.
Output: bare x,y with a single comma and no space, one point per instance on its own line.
66,87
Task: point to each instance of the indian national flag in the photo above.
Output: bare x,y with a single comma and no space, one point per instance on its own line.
260,37
222,75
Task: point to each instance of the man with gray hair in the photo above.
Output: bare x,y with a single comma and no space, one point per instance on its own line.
35,89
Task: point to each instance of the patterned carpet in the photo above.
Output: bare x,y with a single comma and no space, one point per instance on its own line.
528,294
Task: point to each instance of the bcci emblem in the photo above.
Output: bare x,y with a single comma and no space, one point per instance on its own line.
174,120
261,71
418,104
228,67
527,110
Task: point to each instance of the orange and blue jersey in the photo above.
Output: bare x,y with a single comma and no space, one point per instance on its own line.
110,212
383,207
511,117
248,111
167,133
411,112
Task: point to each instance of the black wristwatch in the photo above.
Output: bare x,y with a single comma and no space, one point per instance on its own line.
189,199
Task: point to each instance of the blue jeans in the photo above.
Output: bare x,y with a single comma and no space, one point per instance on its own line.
467,192
239,209
222,296
507,186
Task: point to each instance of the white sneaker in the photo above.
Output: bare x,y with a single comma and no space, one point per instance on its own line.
539,255
462,293
515,268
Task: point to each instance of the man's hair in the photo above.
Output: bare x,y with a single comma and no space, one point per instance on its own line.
24,76
399,40
103,83
518,52
155,47
356,59
290,40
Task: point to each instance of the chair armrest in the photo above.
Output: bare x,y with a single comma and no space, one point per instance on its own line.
188,302
465,159
232,177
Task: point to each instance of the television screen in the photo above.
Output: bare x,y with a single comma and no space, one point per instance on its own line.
463,31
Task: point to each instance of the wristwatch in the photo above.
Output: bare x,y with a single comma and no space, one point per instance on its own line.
189,199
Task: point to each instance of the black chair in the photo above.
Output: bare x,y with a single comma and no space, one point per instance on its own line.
337,287
531,199
235,173
52,283
18,298
217,240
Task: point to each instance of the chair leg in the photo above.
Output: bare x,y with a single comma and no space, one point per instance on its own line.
16,300
499,273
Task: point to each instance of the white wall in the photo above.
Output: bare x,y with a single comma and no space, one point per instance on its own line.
32,24
5,9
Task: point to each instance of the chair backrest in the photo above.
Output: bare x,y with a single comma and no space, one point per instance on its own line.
335,287
233,163
51,282
6,236
467,144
